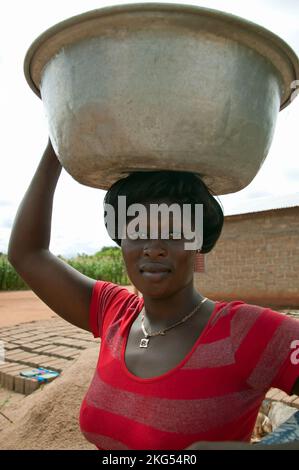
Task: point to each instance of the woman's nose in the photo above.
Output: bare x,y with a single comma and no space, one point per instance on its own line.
155,248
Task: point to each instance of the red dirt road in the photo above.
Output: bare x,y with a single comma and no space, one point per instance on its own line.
21,307
24,306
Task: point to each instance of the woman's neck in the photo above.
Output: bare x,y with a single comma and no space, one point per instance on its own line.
163,312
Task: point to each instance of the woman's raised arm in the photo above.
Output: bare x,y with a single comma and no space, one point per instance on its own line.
66,291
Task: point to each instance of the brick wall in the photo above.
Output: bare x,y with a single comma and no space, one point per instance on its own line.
255,260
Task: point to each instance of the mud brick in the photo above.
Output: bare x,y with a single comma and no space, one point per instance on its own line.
30,330
61,340
30,360
43,336
56,350
29,339
68,331
46,348
271,393
67,352
42,342
30,385
289,399
9,382
69,356
39,360
4,334
55,326
4,367
10,355
22,335
79,333
8,377
12,339
21,356
31,346
11,331
59,365
75,342
9,346
280,396
19,384
20,327
75,338
16,331
78,343
17,342
7,364
52,362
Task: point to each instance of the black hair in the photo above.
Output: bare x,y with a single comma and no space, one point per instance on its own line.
176,186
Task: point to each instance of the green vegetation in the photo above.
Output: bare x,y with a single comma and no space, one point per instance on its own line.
9,278
106,265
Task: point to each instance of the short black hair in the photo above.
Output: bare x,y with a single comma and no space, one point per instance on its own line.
176,186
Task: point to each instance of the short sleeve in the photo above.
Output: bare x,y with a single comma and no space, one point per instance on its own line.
105,297
266,347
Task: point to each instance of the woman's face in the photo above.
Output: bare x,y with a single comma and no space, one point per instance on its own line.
158,267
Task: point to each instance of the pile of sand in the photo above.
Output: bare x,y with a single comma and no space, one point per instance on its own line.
49,417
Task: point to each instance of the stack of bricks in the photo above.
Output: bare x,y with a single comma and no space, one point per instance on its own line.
51,344
274,394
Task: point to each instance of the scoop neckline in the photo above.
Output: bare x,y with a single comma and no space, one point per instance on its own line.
174,369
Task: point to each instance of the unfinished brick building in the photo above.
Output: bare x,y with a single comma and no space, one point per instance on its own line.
256,258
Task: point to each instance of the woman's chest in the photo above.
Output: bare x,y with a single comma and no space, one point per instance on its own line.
163,352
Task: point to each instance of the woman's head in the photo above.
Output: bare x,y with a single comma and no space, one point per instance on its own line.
160,266
173,186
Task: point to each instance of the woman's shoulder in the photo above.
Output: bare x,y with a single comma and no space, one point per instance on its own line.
111,303
239,311
110,290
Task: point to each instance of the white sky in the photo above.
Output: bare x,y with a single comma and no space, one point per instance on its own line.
77,223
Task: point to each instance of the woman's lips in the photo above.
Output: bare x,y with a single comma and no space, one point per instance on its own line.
155,272
155,276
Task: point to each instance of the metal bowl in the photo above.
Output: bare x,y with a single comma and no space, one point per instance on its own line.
161,86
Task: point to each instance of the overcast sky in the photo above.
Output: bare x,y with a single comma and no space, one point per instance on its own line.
77,224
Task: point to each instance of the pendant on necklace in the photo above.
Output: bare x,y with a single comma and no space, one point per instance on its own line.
144,342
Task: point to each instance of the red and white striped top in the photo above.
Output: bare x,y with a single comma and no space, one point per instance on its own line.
213,394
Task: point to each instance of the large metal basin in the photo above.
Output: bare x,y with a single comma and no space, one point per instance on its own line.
161,86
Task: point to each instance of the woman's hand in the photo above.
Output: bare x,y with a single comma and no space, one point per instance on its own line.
50,153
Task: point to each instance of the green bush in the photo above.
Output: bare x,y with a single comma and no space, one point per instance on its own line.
106,265
9,278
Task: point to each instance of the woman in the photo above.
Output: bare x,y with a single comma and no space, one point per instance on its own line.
175,369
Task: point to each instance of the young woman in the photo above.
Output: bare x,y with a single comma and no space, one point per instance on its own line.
175,369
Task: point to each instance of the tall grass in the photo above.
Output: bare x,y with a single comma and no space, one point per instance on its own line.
106,265
9,278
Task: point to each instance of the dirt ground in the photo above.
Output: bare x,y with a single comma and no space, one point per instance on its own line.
22,306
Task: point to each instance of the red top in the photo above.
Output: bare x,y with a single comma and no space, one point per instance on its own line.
213,394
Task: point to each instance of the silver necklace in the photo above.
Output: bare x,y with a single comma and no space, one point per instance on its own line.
147,335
